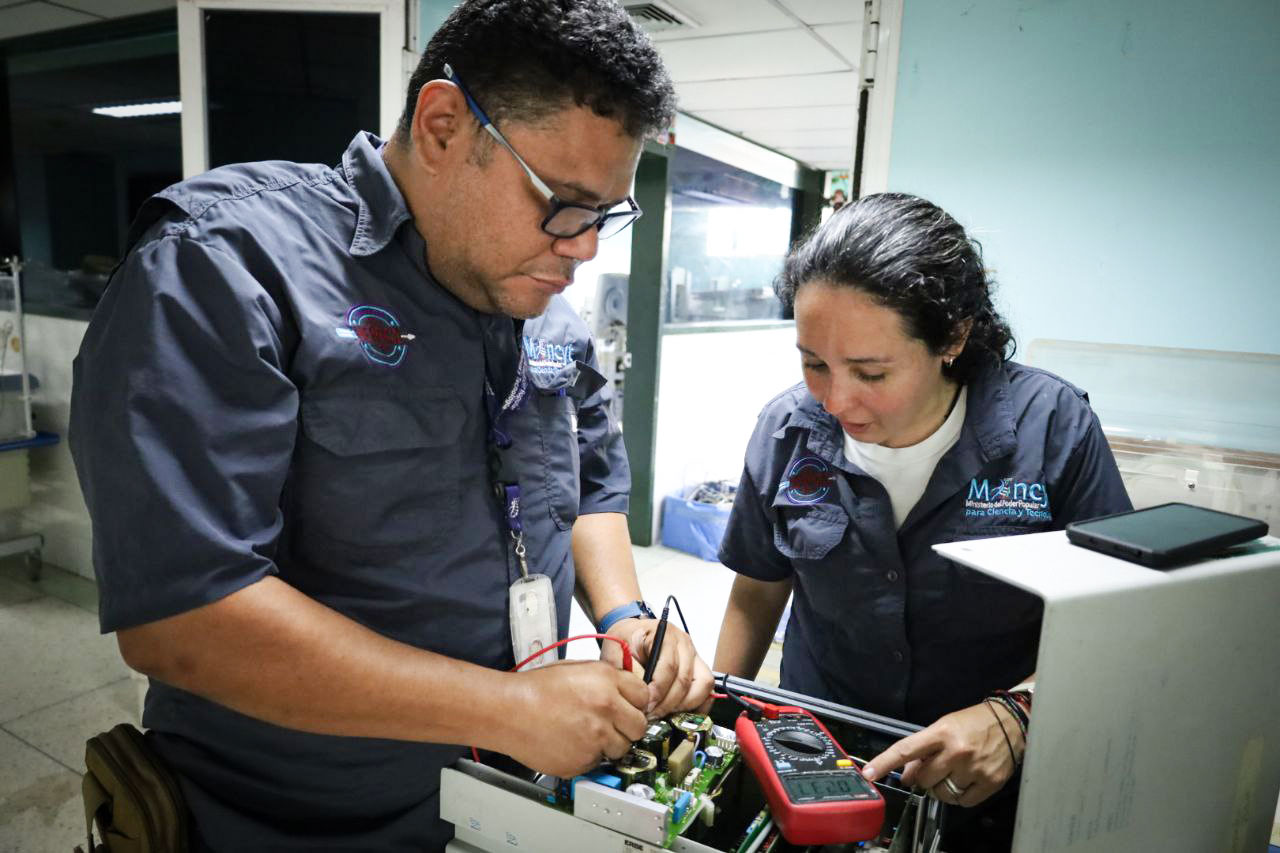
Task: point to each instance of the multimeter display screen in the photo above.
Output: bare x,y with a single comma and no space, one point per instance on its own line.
809,788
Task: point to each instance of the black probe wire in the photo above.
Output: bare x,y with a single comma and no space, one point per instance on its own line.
754,712
671,599
652,663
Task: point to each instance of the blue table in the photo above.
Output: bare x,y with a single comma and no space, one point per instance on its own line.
40,439
31,544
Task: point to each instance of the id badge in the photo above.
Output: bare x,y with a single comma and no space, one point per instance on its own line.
533,619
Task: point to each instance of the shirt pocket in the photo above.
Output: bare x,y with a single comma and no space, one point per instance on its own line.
556,398
809,534
558,435
379,466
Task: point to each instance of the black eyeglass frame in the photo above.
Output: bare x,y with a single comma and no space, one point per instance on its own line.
607,223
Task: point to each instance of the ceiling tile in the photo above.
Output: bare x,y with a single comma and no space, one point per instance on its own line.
36,17
832,117
757,55
718,17
826,11
804,90
846,38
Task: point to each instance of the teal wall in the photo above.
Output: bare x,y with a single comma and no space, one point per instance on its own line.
1118,159
431,14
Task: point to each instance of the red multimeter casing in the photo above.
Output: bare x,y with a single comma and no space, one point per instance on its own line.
812,799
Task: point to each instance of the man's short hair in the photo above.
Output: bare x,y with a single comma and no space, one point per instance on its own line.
524,60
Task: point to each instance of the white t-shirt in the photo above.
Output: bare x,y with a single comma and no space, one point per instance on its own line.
905,471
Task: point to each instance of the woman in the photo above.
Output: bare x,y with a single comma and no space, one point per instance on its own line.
912,428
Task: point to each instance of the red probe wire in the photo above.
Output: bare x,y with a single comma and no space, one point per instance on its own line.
626,650
626,661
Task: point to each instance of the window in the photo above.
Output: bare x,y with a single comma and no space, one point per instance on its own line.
730,230
78,174
288,85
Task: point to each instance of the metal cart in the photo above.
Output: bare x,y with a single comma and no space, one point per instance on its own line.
17,430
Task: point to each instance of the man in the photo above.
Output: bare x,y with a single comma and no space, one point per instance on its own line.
292,411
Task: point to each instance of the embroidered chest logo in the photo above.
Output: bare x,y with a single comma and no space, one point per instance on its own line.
546,358
1007,498
378,332
809,481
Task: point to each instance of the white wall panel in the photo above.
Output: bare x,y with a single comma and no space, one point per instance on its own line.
713,387
57,507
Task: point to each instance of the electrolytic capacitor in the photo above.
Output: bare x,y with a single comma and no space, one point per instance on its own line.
638,765
657,740
693,725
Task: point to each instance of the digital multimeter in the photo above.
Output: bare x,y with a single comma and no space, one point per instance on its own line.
815,793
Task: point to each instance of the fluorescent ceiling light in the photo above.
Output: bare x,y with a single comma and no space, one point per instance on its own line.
159,108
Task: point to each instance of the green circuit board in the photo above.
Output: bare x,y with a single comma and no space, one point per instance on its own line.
708,780
671,767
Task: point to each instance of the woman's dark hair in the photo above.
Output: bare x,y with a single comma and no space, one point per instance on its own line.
909,255
523,60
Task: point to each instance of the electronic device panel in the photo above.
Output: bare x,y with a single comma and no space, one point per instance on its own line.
688,786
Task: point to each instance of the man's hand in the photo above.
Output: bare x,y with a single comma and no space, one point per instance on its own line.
567,717
965,747
681,681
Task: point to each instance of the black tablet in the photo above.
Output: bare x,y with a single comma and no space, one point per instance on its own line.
1165,535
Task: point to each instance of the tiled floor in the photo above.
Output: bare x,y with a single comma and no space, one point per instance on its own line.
62,682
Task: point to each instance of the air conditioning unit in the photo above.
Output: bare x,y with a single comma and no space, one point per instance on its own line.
660,17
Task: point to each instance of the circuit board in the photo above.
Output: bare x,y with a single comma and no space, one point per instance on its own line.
700,783
679,764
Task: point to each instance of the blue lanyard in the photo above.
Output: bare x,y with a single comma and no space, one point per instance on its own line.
515,525
500,412
500,439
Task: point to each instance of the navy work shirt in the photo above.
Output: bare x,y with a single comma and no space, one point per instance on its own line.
879,621
566,435
273,384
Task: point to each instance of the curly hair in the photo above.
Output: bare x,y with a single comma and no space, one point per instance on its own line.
908,255
526,59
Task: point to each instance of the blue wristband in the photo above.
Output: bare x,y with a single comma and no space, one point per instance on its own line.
630,610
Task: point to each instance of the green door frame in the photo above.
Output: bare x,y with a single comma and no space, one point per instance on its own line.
646,289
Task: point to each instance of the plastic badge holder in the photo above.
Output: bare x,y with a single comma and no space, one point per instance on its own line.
533,619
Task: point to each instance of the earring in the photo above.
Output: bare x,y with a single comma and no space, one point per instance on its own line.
948,361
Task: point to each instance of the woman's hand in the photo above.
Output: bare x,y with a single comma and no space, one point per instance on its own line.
962,759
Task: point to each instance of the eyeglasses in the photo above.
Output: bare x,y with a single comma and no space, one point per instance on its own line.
566,219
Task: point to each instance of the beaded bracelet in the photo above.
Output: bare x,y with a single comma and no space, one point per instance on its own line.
1023,699
1000,722
1014,708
